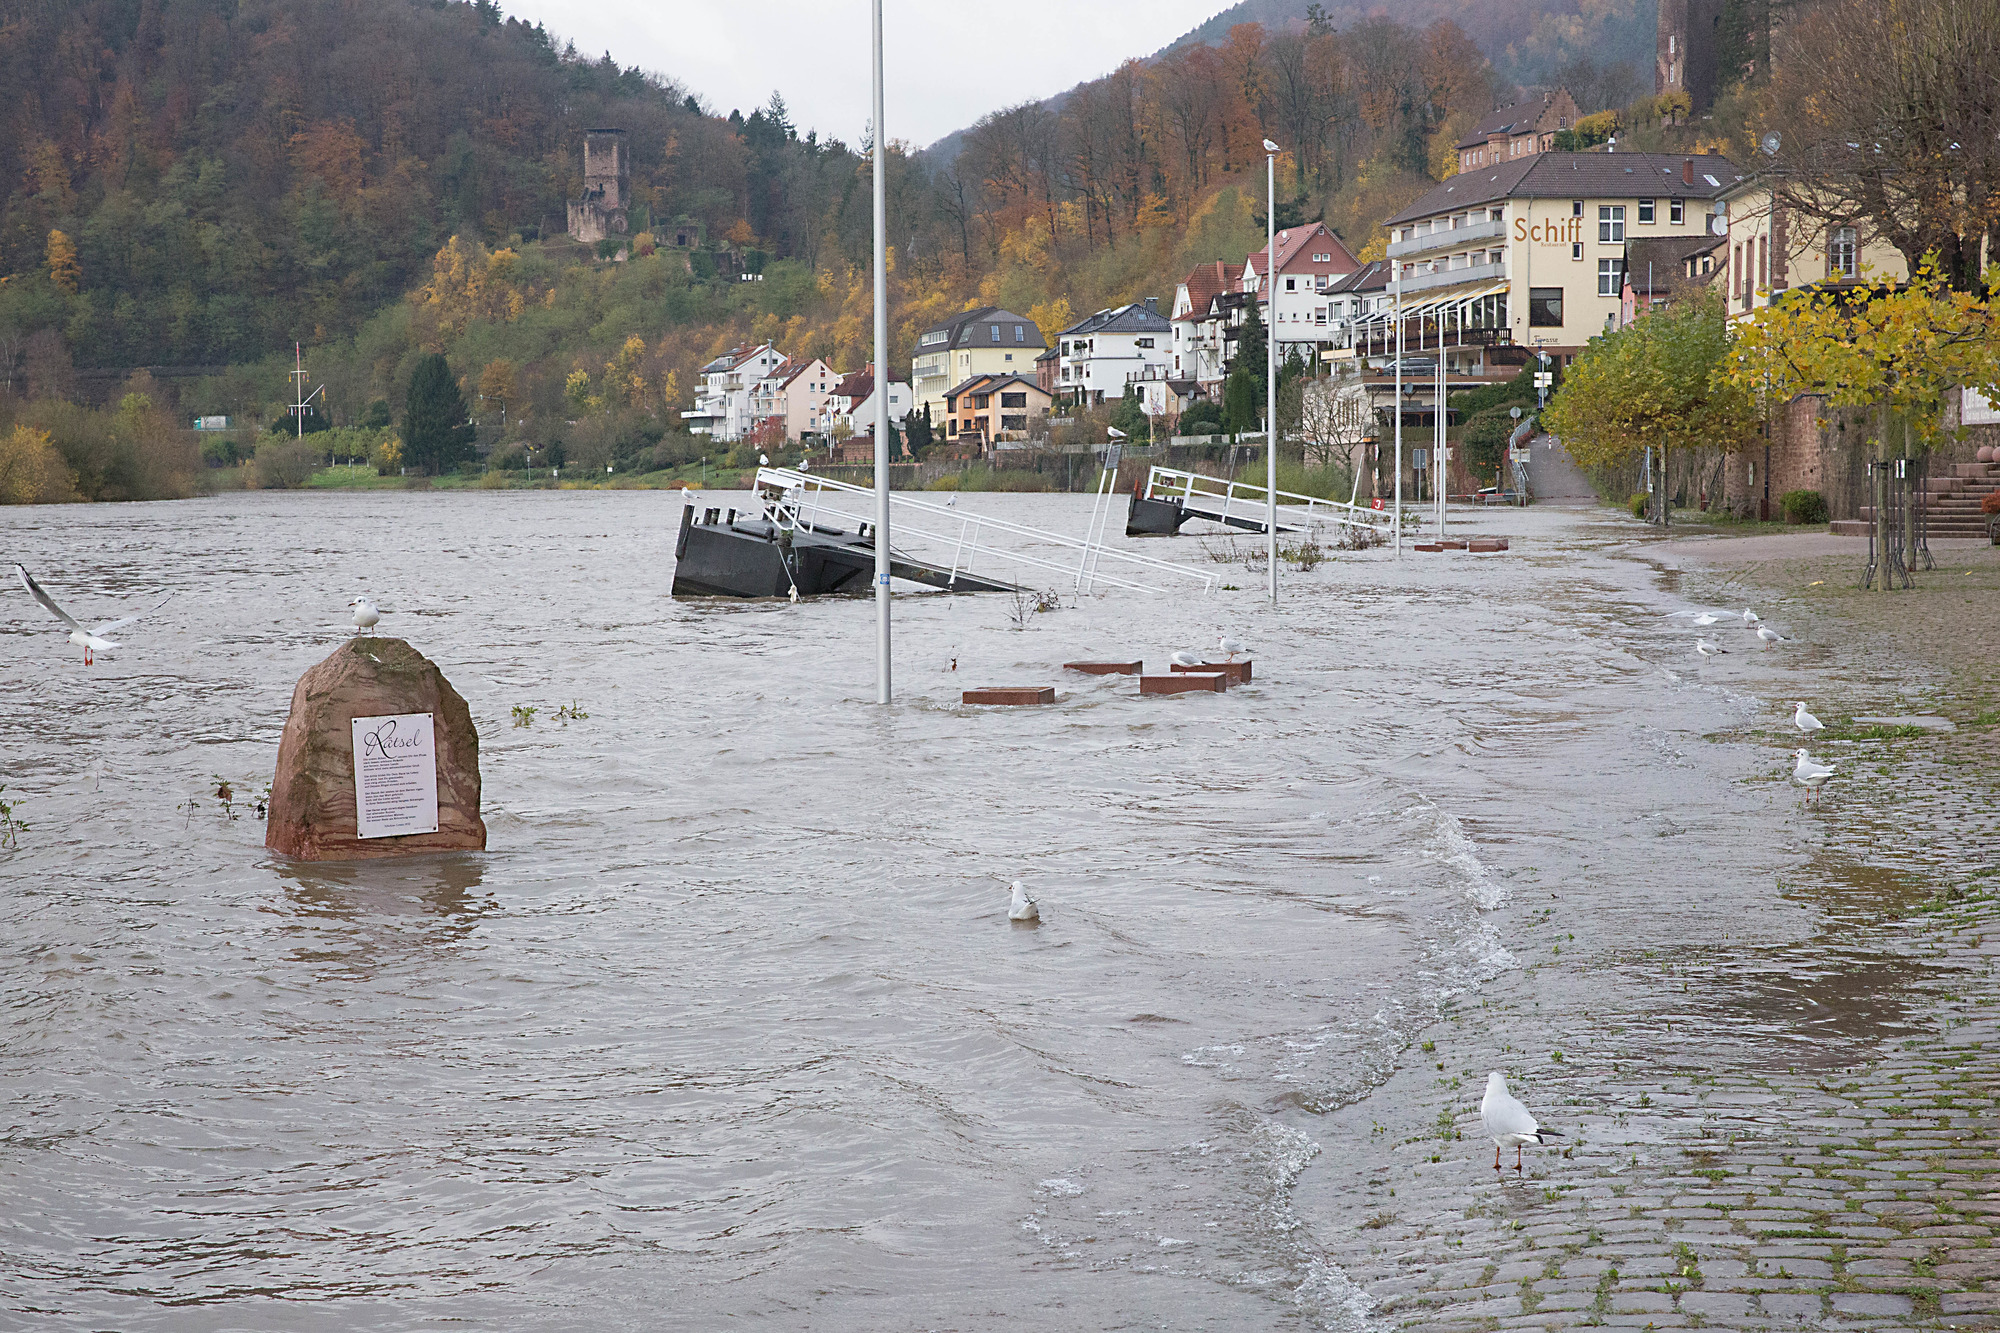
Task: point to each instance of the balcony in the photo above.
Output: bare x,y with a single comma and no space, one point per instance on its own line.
1438,240
1424,282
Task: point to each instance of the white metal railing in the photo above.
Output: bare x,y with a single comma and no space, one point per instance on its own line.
809,497
1222,497
1433,240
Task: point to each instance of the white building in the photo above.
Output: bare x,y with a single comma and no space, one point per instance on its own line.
723,404
1310,261
852,405
1102,353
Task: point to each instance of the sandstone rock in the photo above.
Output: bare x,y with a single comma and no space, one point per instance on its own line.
312,814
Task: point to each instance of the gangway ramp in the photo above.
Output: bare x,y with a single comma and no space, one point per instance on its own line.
1172,497
814,530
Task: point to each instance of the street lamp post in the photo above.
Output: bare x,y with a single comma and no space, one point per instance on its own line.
1271,364
1396,287
882,688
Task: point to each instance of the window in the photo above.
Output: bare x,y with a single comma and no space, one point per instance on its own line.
1291,284
1014,400
1014,423
1610,277
1610,222
1840,253
1545,307
995,329
1009,356
1065,352
1576,208
1142,342
1576,250
1646,211
1677,212
1763,261
979,399
1323,259
1496,216
951,426
1020,333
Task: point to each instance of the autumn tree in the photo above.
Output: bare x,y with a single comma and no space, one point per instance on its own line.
1886,117
64,271
1663,381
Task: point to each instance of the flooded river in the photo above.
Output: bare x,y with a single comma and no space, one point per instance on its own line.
729,1025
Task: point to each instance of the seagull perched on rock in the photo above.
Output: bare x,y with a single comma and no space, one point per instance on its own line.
1508,1123
367,614
1225,644
1769,635
1022,907
1707,649
93,640
1805,721
1810,773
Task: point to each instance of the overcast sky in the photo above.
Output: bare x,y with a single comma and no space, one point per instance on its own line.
948,62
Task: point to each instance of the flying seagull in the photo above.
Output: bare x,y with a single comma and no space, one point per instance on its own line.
1810,773
367,614
1231,646
1508,1122
1805,721
93,640
1023,908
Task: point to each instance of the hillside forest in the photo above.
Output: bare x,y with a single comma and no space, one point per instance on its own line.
199,184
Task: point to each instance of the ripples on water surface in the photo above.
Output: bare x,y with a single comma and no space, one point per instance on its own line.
729,1023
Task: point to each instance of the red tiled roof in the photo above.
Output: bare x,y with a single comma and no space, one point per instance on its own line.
1313,238
1209,281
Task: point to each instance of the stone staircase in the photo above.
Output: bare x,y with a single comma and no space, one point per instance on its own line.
1954,502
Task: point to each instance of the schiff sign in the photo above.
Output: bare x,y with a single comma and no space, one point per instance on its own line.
1566,231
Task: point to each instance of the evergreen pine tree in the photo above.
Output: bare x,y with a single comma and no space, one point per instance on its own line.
436,434
1252,349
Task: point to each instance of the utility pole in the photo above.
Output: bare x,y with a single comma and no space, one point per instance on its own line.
882,683
1271,363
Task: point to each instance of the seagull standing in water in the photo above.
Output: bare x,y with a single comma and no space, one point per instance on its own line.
1749,617
1707,649
1805,721
1769,635
1810,773
1022,907
93,640
1508,1123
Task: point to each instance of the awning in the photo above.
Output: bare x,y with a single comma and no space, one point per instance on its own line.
1430,304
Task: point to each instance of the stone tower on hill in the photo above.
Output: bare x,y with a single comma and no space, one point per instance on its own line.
1706,46
607,189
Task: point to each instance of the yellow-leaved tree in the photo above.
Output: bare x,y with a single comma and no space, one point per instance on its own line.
64,271
32,470
1662,381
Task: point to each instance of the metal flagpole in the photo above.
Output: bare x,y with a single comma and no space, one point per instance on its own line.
882,378
1271,363
1396,281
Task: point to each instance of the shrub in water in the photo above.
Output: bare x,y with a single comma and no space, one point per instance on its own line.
1806,507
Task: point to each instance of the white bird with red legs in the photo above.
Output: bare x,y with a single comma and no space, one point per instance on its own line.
94,640
1508,1123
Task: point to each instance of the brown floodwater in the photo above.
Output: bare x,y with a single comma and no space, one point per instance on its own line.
728,1025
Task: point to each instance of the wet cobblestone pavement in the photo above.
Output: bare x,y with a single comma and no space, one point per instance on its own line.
1764,1134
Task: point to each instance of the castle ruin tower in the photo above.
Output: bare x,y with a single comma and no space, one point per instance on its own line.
607,188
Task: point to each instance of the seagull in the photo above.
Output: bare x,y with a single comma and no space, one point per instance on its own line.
1023,908
1509,1122
1707,649
1749,617
763,460
93,640
366,613
951,502
1231,646
687,496
1769,635
1186,660
1805,721
1810,773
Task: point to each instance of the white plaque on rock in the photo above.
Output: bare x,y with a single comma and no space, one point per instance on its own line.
395,776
